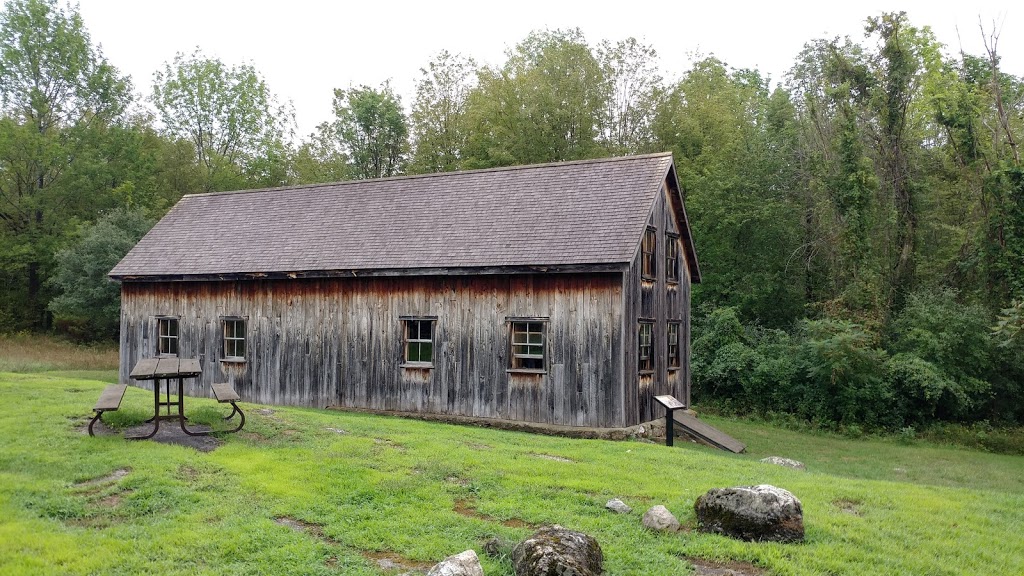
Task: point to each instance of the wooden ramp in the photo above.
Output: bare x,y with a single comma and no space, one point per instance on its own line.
704,433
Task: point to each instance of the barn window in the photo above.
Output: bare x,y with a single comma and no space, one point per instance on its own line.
649,267
672,257
646,349
166,336
419,341
528,344
234,338
673,345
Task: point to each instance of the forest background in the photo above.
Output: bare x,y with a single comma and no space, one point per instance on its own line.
860,225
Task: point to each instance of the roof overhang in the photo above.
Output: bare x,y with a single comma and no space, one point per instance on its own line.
683,223
382,272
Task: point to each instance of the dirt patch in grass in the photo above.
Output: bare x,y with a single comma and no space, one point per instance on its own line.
553,457
464,507
457,480
112,501
337,430
848,505
81,425
170,433
306,527
112,477
386,560
268,413
389,443
477,446
253,437
392,562
186,472
93,522
709,568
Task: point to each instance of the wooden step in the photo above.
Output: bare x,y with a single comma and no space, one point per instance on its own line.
706,433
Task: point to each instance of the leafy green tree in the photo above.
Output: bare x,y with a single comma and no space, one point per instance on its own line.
636,87
734,148
320,158
57,93
235,124
372,130
89,304
547,103
438,118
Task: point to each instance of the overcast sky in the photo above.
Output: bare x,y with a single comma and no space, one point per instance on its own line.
306,48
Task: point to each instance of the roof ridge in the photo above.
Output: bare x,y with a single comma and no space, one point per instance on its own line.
435,174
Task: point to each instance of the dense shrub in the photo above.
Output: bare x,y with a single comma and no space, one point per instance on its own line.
939,364
844,375
922,391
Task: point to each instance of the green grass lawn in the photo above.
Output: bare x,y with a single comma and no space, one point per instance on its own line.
289,496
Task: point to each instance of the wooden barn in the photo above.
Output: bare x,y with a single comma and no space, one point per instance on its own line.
554,293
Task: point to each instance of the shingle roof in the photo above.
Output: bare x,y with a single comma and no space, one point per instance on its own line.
570,213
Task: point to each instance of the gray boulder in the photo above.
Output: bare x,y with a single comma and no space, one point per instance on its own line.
556,551
463,564
659,518
497,547
788,463
752,513
616,505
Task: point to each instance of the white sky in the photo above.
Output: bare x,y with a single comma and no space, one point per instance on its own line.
306,48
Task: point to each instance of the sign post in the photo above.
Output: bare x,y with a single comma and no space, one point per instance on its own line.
671,405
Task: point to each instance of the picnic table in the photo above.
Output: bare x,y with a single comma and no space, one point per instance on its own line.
167,369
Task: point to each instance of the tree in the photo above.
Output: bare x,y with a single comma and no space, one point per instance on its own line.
57,92
235,124
438,118
547,103
89,304
734,148
320,158
372,130
632,71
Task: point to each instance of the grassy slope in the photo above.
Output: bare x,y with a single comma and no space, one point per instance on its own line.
392,485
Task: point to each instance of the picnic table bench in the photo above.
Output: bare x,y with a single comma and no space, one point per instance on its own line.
225,393
110,401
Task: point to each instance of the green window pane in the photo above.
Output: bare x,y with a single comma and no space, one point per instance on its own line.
426,352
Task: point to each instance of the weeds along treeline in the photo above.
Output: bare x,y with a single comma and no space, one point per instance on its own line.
860,224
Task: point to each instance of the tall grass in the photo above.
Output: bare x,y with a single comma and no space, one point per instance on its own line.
40,353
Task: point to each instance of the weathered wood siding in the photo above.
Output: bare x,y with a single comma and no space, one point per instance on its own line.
340,342
662,302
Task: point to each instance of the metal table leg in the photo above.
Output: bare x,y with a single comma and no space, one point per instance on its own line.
156,413
181,411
